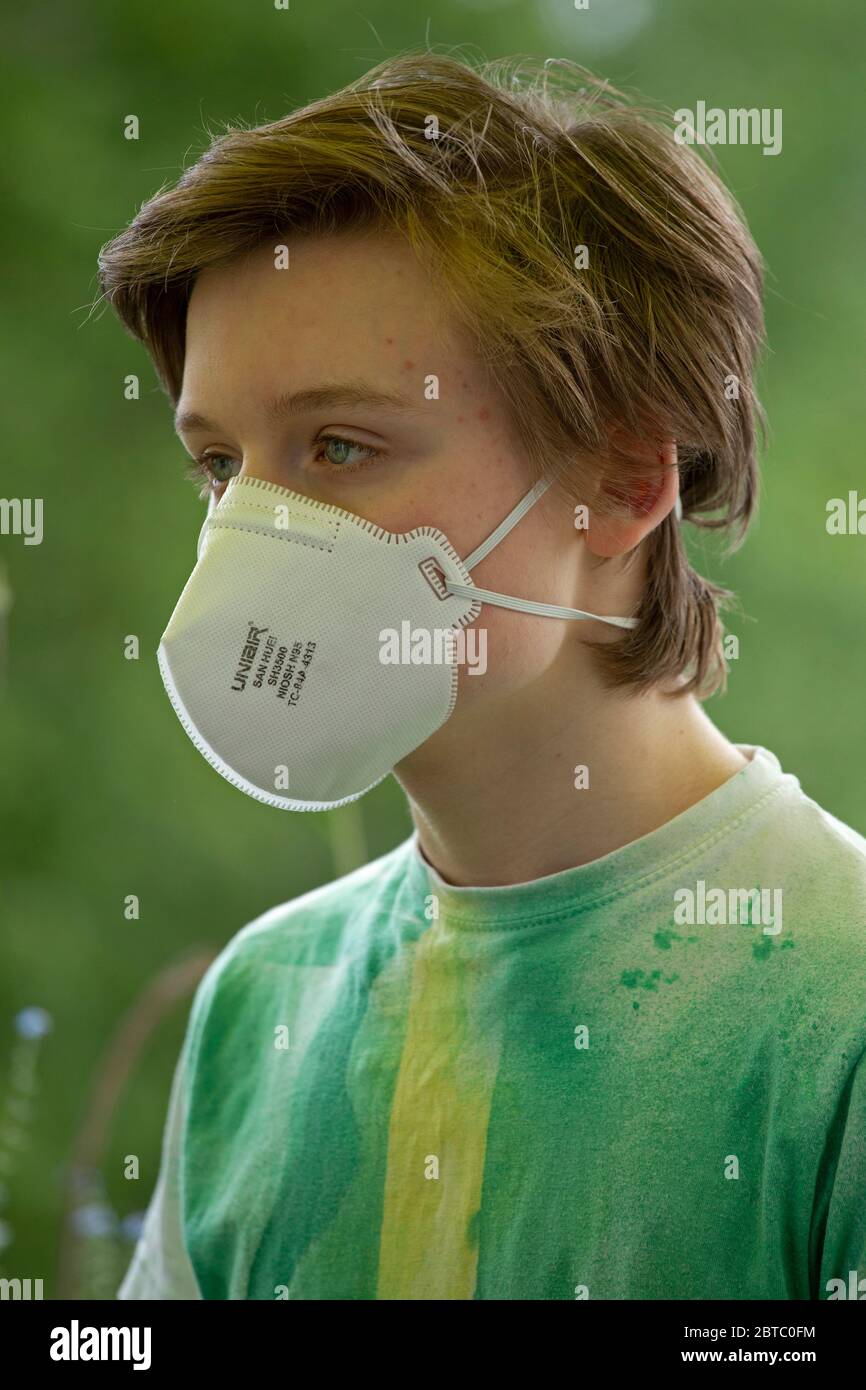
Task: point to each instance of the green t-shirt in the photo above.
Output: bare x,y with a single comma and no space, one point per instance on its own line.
637,1078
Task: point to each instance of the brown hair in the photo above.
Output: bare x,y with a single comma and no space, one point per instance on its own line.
496,176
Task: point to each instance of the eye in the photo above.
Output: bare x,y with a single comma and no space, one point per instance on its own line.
213,472
220,467
338,451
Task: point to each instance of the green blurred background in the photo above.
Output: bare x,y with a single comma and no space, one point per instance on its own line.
103,796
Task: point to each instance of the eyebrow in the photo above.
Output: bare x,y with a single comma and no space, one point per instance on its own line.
315,398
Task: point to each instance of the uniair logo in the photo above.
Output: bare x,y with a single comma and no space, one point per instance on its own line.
716,907
75,1343
20,1288
248,656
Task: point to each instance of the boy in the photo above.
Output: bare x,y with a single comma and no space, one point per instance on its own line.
459,354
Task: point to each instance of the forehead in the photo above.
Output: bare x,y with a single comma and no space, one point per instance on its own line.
342,302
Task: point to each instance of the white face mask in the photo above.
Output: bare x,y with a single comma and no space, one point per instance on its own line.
279,657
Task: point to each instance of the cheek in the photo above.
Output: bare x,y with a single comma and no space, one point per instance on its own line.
505,650
537,560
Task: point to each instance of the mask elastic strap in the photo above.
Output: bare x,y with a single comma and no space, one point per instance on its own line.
516,514
522,605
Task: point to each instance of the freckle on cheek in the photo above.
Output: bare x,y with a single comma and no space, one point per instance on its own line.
408,365
390,342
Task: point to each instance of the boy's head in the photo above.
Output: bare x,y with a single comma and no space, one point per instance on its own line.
505,277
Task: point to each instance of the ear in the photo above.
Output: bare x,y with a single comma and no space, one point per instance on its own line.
643,505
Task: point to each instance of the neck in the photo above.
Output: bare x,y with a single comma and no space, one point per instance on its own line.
493,793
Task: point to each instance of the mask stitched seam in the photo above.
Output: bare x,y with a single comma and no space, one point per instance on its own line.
253,529
397,537
243,504
391,537
244,785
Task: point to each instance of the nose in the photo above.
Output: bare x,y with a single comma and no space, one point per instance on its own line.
267,471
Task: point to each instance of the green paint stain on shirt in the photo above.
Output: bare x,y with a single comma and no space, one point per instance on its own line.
413,1041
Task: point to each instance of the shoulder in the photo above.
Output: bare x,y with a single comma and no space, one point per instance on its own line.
315,931
816,864
824,862
800,847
